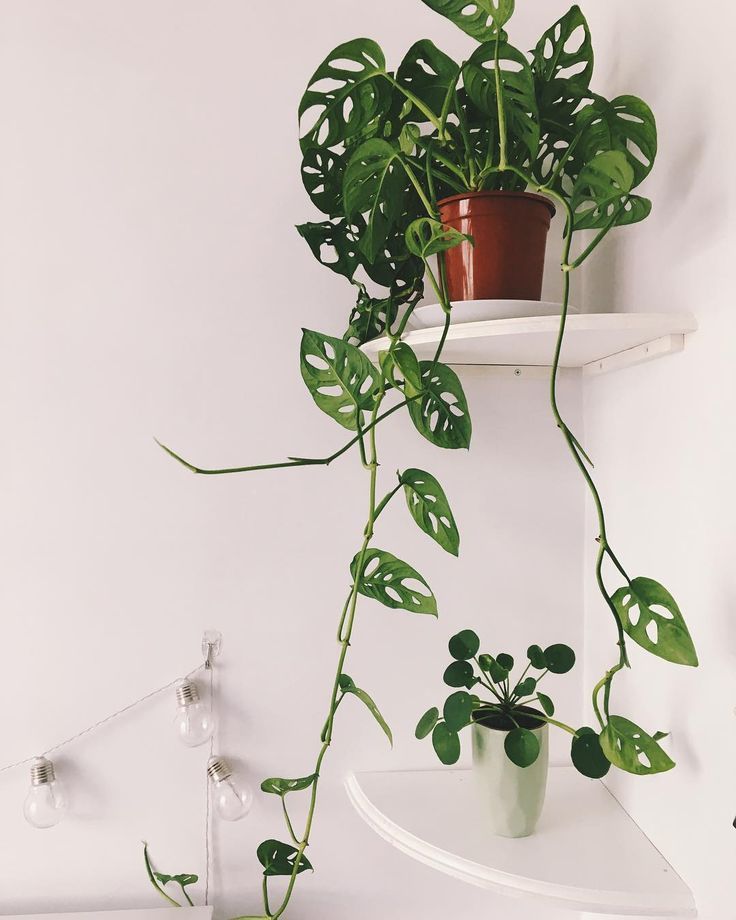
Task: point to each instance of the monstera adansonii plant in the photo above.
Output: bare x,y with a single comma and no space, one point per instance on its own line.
379,149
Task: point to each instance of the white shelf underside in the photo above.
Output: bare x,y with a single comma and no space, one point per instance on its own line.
587,854
595,342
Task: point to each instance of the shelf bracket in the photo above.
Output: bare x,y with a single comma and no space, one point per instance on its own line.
657,348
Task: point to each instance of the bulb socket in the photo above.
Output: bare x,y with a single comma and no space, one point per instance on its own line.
42,772
218,769
186,693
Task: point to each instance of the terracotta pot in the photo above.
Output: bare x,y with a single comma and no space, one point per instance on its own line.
510,234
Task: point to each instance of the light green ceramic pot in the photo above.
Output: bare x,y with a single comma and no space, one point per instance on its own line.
512,797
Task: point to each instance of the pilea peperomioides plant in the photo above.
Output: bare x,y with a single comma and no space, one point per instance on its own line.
379,150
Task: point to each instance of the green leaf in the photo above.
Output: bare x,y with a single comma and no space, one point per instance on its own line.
334,244
478,19
505,661
587,755
348,686
355,99
276,785
629,748
560,658
565,51
536,657
458,710
497,673
341,379
651,617
521,746
371,317
526,687
625,124
486,661
441,413
402,358
548,707
600,189
322,176
393,583
183,880
426,237
464,645
517,80
459,674
429,74
429,507
427,723
279,858
374,186
446,744
658,736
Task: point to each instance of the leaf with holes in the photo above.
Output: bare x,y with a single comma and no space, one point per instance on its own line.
429,507
322,175
478,18
650,615
347,685
429,74
401,358
426,237
356,96
334,244
342,381
393,583
601,189
630,748
565,51
427,723
625,124
183,880
521,746
279,858
371,317
446,744
441,413
275,785
374,187
517,80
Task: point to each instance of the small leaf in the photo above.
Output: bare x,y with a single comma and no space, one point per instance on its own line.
341,379
479,20
427,723
486,661
497,673
548,707
458,710
651,617
658,736
446,744
505,661
275,785
630,748
402,358
526,687
370,705
441,413
393,583
536,657
587,755
464,645
370,317
426,237
601,189
279,858
429,507
560,658
459,674
521,746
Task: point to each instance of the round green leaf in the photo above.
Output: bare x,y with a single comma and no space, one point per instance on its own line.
548,707
458,710
560,658
427,723
446,744
485,661
464,645
587,755
505,661
522,747
526,687
459,674
536,657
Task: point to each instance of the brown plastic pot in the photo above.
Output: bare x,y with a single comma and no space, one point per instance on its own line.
510,234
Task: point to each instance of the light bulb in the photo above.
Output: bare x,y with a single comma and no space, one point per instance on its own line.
194,722
232,798
45,803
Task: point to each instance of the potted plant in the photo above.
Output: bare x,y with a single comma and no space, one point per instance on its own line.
509,729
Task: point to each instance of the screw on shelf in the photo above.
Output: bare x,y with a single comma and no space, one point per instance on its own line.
517,372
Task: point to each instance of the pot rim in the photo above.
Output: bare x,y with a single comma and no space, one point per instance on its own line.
527,710
500,193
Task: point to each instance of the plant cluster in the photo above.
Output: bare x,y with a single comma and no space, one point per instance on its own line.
380,150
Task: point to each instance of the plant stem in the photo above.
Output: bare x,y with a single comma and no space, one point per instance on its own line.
500,106
152,878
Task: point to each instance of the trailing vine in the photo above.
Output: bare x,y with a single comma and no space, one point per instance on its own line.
381,150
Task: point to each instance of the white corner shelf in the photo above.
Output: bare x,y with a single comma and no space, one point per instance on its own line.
595,342
587,854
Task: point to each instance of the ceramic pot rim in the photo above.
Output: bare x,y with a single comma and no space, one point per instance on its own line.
499,193
526,710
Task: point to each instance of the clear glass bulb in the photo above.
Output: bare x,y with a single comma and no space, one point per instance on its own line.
45,803
194,722
231,796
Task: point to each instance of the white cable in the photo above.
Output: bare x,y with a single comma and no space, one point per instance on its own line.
208,815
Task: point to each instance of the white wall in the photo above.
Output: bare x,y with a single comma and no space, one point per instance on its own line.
662,434
151,284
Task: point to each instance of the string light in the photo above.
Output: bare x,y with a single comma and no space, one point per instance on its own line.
45,803
194,721
232,797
